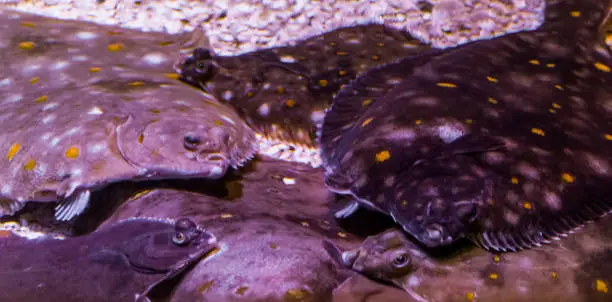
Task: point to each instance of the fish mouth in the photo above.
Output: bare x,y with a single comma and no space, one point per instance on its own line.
351,259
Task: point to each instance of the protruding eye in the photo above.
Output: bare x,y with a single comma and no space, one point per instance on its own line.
191,142
179,238
401,260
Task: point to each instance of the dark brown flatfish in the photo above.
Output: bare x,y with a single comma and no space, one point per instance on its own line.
506,141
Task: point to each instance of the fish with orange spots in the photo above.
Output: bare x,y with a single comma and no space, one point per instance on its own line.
283,92
502,141
575,269
78,112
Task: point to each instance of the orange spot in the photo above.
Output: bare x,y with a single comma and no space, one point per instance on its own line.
534,62
552,110
174,76
538,131
34,80
250,94
469,296
556,106
559,87
375,57
601,66
527,205
323,83
341,72
492,79
290,103
41,99
446,85
492,101
608,136
304,223
94,69
136,83
28,24
404,203
366,122
218,123
550,65
382,156
226,215
496,258
568,178
26,45
342,235
469,121
141,138
601,286
115,47
418,122
280,89
493,276
555,275
30,165
241,290
366,102
341,53
72,152
380,44
514,180
13,151
575,13
155,111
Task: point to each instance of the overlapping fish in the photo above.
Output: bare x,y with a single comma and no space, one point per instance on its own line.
83,105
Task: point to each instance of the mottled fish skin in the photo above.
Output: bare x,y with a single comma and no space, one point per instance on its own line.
283,92
270,224
576,269
81,108
505,141
120,262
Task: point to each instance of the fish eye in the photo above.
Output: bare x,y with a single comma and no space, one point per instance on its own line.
401,260
179,238
191,142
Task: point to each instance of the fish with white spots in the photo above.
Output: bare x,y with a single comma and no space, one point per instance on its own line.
283,92
78,114
505,141
120,262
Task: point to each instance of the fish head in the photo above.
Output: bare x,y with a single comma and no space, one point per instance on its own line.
170,249
192,142
387,256
439,206
199,68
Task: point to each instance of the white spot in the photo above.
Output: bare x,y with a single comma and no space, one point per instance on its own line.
13,98
86,35
59,65
317,116
76,172
288,181
95,111
227,95
227,119
414,281
45,136
48,119
96,148
80,58
264,109
287,59
155,58
49,106
448,133
552,200
55,141
6,189
72,131
6,82
216,170
31,67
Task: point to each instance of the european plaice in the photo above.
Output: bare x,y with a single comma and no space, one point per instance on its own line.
283,92
85,105
505,141
119,262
